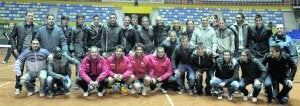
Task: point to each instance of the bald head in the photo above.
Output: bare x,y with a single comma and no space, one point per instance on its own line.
280,29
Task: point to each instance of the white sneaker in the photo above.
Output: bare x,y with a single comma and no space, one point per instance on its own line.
190,92
36,90
220,95
100,94
42,94
164,91
181,91
230,97
17,92
254,99
133,91
144,93
85,94
29,93
245,98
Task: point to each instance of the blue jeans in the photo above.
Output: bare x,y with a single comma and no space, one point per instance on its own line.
66,84
191,74
244,83
234,85
268,85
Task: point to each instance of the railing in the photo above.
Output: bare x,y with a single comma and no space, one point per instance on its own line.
140,1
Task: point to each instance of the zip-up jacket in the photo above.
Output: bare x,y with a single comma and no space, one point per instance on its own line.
253,69
146,38
93,68
130,38
181,56
119,66
202,62
111,37
160,33
226,71
141,66
160,68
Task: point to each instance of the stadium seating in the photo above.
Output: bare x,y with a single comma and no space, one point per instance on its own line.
16,10
295,34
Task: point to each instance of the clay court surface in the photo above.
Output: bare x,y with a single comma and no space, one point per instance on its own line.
8,98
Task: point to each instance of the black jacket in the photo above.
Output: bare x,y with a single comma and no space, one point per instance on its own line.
259,41
282,68
226,71
146,38
182,56
111,37
202,62
253,69
79,40
130,38
95,38
160,33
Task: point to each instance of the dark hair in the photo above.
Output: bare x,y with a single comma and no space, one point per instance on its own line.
49,15
28,12
200,45
119,47
187,21
258,16
160,47
243,16
226,50
276,48
113,14
204,16
138,45
64,17
216,16
80,16
96,15
145,17
183,37
248,53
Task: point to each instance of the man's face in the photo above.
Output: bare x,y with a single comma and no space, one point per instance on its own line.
200,51
80,20
126,21
274,54
96,20
226,56
35,45
119,52
222,24
258,22
204,21
64,22
138,51
239,18
212,19
50,20
94,52
172,37
29,17
184,43
190,25
160,53
112,19
11,25
145,23
57,53
176,23
244,56
279,29
134,21
159,21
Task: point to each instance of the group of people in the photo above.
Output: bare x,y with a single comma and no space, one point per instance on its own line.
135,56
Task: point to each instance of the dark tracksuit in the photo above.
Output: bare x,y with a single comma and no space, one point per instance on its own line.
202,64
251,70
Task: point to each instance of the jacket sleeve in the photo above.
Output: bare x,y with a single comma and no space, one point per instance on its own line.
63,41
103,39
174,58
109,68
169,71
263,70
235,70
51,71
293,50
194,38
129,69
84,68
13,38
104,69
72,40
293,67
73,61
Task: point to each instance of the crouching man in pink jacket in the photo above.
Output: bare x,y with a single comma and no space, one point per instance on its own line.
92,73
161,70
120,69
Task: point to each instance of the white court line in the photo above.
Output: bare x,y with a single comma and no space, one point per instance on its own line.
5,84
170,100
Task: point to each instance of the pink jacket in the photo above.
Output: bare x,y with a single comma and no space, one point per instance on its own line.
119,66
141,66
160,67
93,67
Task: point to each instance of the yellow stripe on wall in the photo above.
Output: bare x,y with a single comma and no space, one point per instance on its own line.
132,9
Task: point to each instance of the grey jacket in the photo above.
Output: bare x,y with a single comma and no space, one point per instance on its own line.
235,30
111,37
146,38
19,33
79,39
50,39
